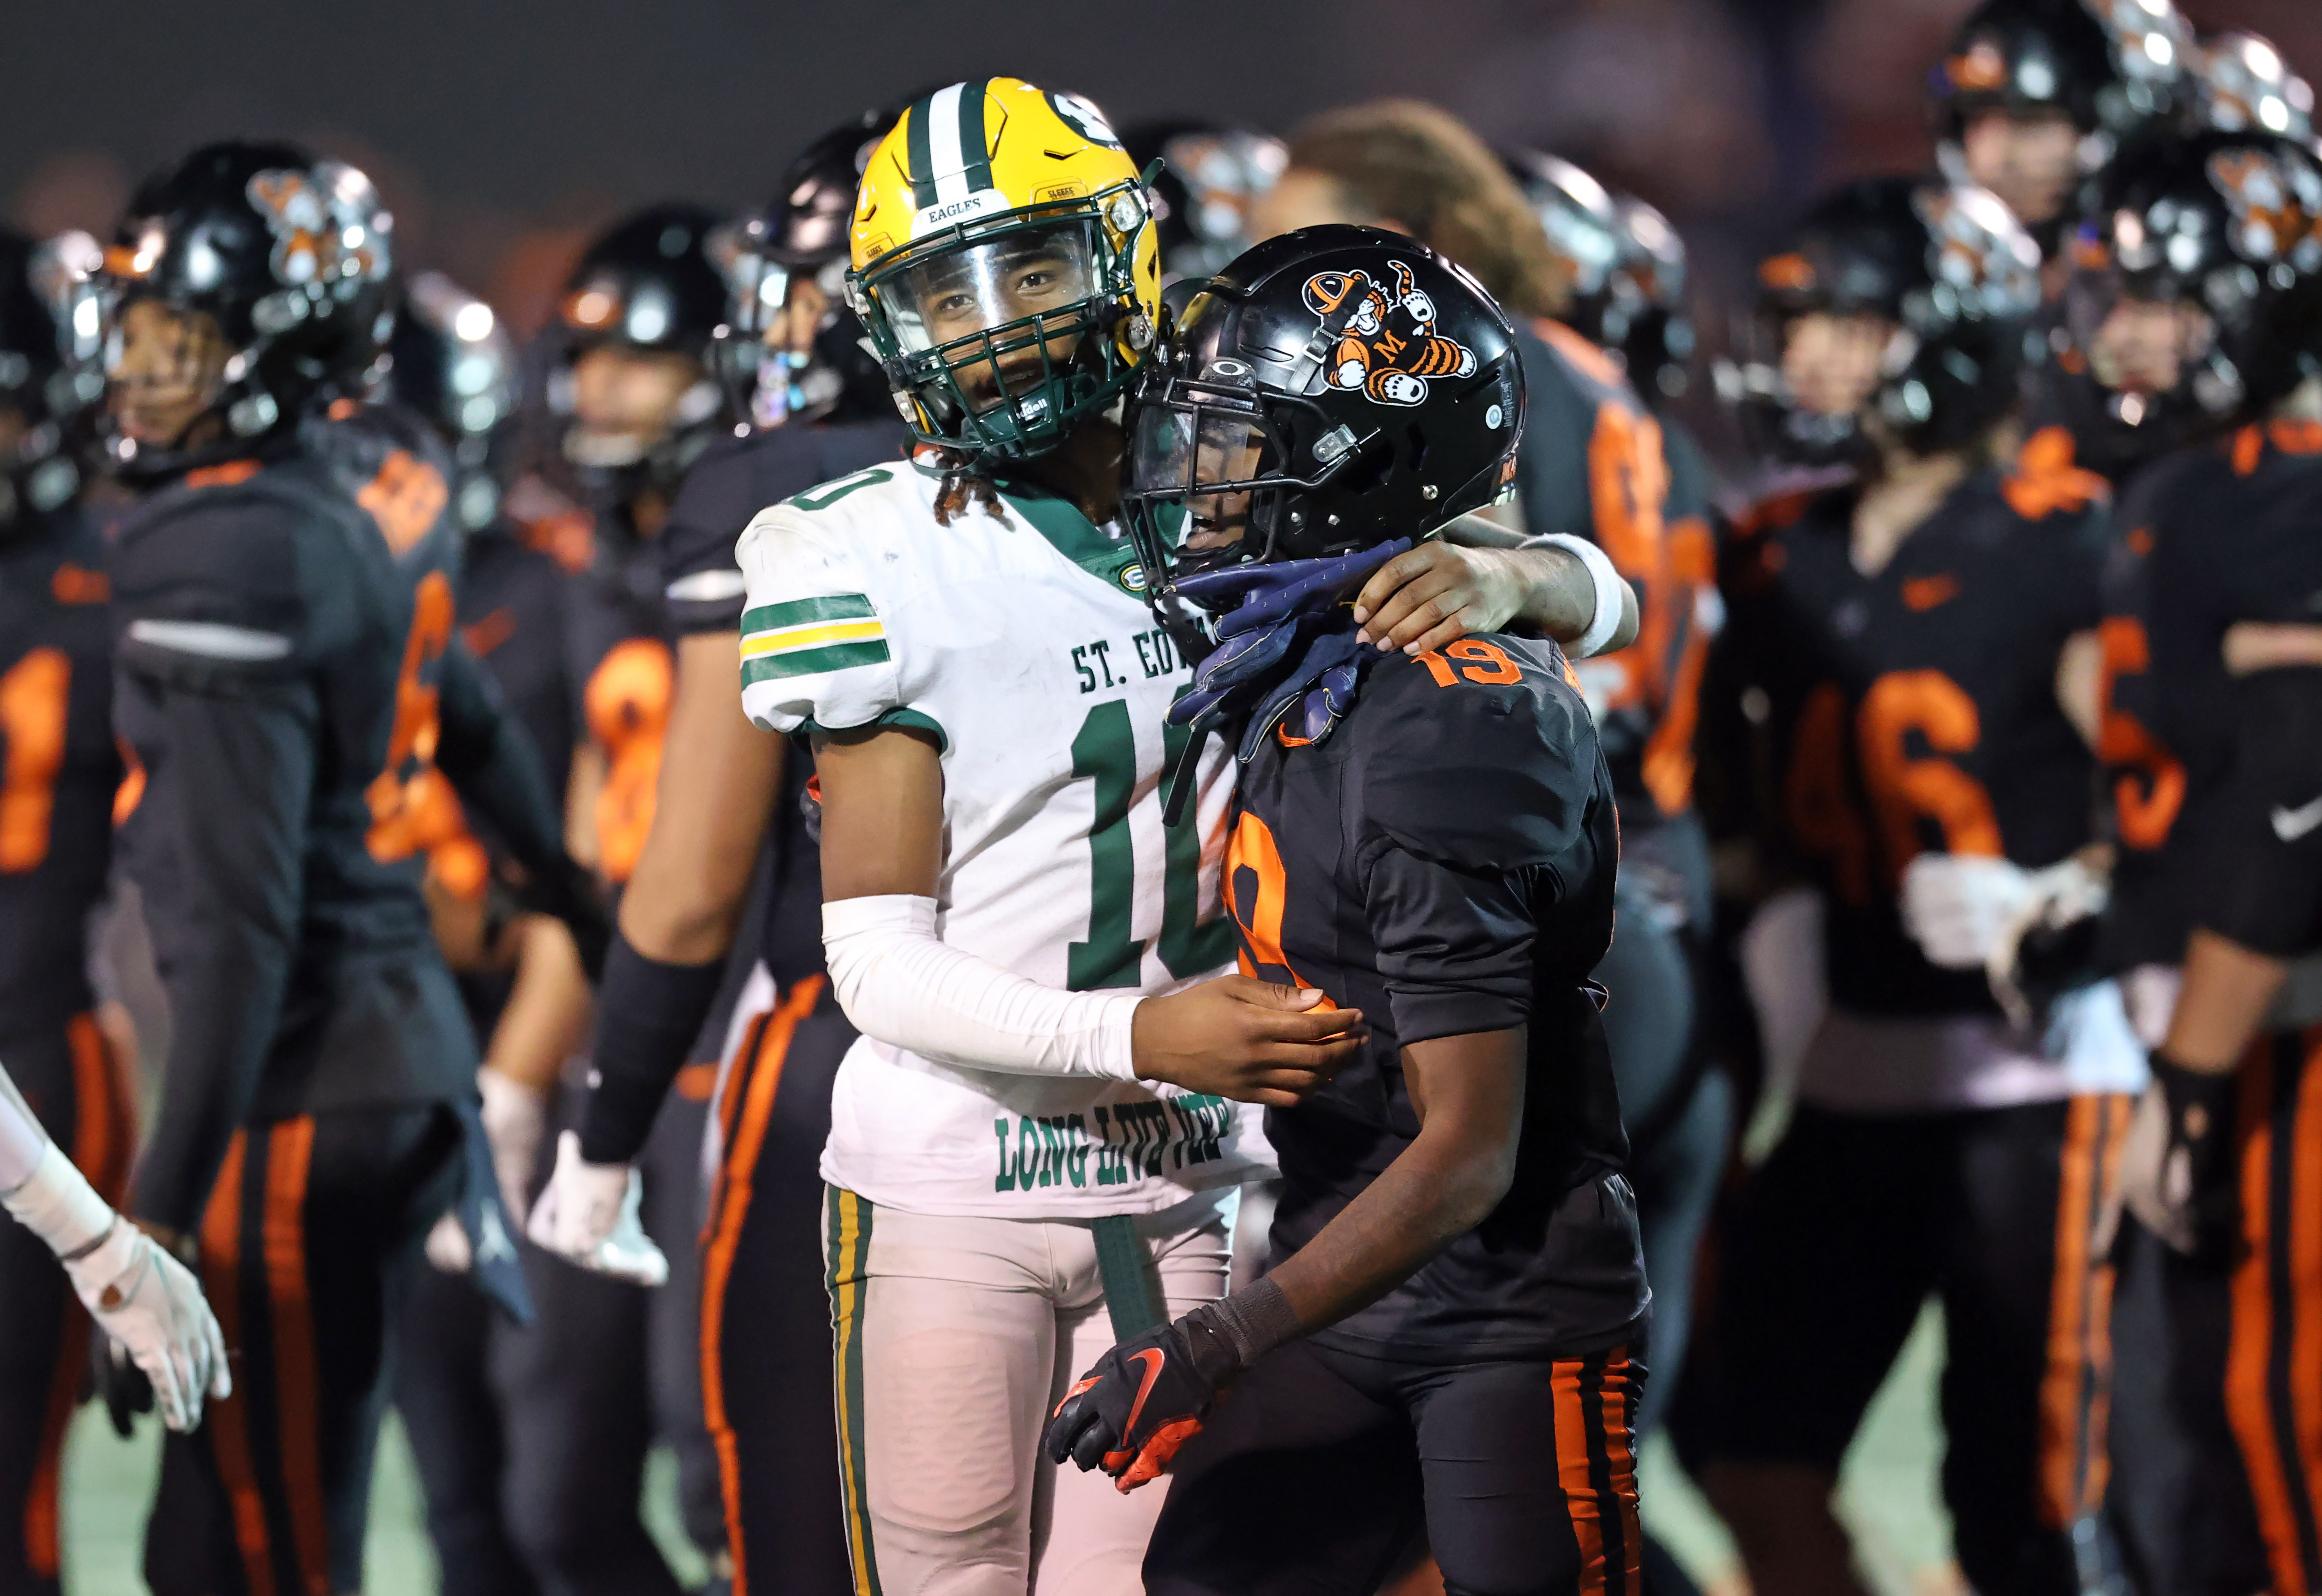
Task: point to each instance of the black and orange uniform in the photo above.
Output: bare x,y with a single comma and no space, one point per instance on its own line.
1934,1151
286,680
2218,1345
1597,463
1445,861
57,789
511,617
765,1318
608,1369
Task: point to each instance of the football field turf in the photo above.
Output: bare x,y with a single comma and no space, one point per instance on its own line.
1888,1496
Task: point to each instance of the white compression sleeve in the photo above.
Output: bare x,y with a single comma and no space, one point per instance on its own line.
900,982
22,1139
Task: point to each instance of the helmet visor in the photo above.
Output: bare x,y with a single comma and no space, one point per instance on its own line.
1209,461
983,286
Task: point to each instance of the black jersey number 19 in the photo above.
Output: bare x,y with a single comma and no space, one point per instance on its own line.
1105,753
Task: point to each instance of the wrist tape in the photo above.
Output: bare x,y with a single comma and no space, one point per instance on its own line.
1606,619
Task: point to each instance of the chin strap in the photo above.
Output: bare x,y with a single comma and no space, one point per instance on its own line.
1282,652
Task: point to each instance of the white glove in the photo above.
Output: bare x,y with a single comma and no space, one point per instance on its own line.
152,1307
588,1216
1957,906
148,1302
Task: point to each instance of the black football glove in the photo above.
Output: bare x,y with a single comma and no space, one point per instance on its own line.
2186,1186
1144,1399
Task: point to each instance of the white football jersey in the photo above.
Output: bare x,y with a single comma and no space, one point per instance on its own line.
1022,643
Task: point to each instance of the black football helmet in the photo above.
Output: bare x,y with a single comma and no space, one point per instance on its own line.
801,234
2240,85
2230,223
1330,391
36,470
2112,66
450,360
1654,334
290,254
648,282
1948,264
1202,193
1626,266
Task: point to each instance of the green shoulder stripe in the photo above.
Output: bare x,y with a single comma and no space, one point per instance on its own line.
798,612
809,662
830,493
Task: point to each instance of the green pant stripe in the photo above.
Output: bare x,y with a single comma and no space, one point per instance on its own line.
847,1247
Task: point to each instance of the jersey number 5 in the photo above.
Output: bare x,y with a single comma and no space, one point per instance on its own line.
1105,751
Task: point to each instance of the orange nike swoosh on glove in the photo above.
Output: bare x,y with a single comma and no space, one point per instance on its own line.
1152,1357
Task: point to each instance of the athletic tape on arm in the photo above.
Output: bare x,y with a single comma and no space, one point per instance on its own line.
1606,619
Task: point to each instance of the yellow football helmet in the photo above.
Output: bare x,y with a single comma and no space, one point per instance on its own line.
1006,264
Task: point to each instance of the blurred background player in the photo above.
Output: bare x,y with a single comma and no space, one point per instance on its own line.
1209,180
452,365
816,407
1917,646
2191,710
288,687
610,1368
55,841
2035,95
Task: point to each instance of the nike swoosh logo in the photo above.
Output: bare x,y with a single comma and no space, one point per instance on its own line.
2289,824
1152,1357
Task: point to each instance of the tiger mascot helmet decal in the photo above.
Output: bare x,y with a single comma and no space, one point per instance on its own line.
1387,346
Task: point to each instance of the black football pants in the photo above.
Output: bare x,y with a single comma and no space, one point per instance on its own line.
2218,1454
1852,1225
765,1308
307,1245
1319,1475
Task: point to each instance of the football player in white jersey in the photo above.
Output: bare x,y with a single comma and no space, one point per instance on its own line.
1038,1140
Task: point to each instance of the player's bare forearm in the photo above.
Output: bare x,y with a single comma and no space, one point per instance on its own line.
719,776
1469,1094
1444,591
547,1011
2223,1003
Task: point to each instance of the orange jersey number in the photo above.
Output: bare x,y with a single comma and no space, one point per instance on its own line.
412,807
1257,890
627,705
33,708
2148,784
1822,812
1907,788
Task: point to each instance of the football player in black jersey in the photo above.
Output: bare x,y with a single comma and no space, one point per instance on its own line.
608,1369
2213,658
452,364
287,689
1446,1341
2033,96
817,407
56,837
1913,644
